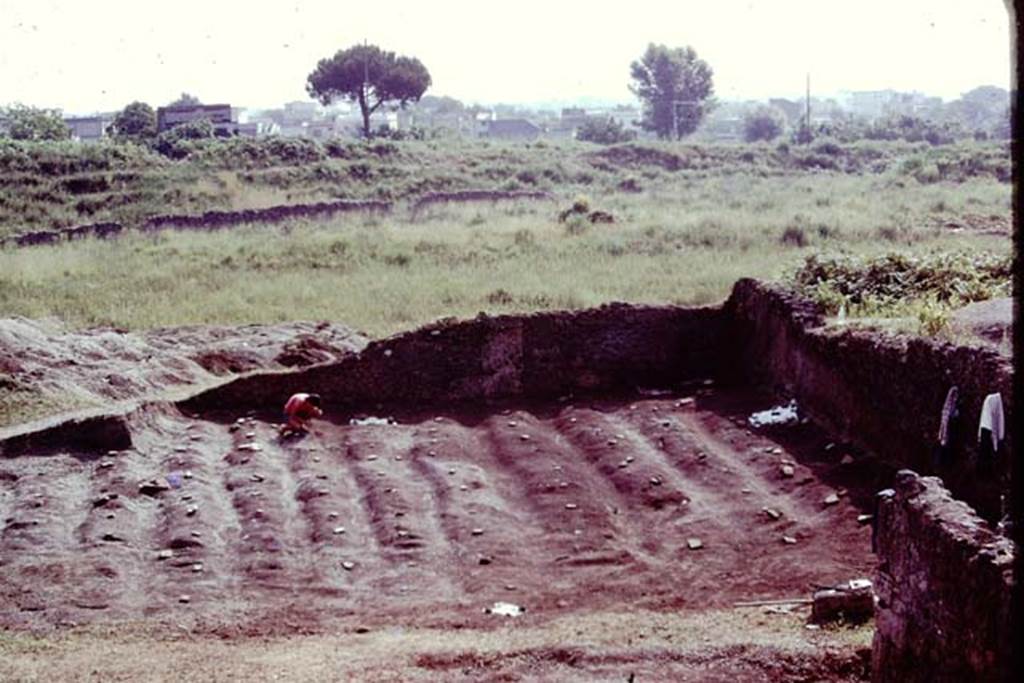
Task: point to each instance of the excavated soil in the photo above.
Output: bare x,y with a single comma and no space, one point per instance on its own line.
100,366
213,523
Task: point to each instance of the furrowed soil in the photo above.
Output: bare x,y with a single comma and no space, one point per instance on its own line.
370,551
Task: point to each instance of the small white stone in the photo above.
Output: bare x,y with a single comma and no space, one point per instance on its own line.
339,530
348,566
694,543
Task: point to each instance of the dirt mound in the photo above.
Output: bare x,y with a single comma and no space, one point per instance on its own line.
635,156
99,366
990,320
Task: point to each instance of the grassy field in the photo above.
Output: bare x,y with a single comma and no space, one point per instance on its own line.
602,646
685,242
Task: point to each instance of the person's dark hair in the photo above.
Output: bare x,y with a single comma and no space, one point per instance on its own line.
315,399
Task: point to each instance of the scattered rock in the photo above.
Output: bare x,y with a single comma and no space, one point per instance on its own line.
863,519
476,532
655,481
184,599
773,513
191,510
847,460
197,567
338,530
106,464
153,487
787,471
694,543
484,560
831,499
165,554
789,540
571,506
524,437
104,499
853,601
504,609
348,566
332,515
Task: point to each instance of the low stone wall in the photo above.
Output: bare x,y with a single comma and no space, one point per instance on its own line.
943,586
613,347
209,220
884,393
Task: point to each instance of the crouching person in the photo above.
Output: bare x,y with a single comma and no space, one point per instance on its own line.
298,411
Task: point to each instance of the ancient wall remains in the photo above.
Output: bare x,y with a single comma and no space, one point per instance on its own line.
943,587
882,392
613,347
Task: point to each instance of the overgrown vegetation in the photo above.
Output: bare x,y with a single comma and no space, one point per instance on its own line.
925,286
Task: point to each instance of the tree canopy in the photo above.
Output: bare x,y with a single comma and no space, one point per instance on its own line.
369,76
184,100
22,122
764,123
675,87
136,122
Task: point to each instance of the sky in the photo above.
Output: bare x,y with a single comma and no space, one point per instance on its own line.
99,55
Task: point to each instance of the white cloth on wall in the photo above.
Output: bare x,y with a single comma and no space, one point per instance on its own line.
992,419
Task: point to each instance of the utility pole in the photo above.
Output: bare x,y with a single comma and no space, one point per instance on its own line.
808,119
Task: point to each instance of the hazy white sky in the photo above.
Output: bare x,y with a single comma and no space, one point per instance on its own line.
89,55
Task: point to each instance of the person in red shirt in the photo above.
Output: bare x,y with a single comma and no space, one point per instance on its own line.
298,411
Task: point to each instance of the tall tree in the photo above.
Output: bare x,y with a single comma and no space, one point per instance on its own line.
185,100
369,76
31,123
136,122
675,87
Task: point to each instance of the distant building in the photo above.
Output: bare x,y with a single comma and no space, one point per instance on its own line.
510,129
258,129
220,115
88,128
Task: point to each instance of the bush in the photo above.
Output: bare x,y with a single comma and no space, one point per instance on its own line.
949,278
764,123
606,131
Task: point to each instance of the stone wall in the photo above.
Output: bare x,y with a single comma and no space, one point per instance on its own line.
882,392
943,586
613,347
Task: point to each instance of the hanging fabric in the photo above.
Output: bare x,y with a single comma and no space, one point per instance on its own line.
991,431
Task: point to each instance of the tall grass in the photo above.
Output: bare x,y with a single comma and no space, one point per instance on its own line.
685,243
